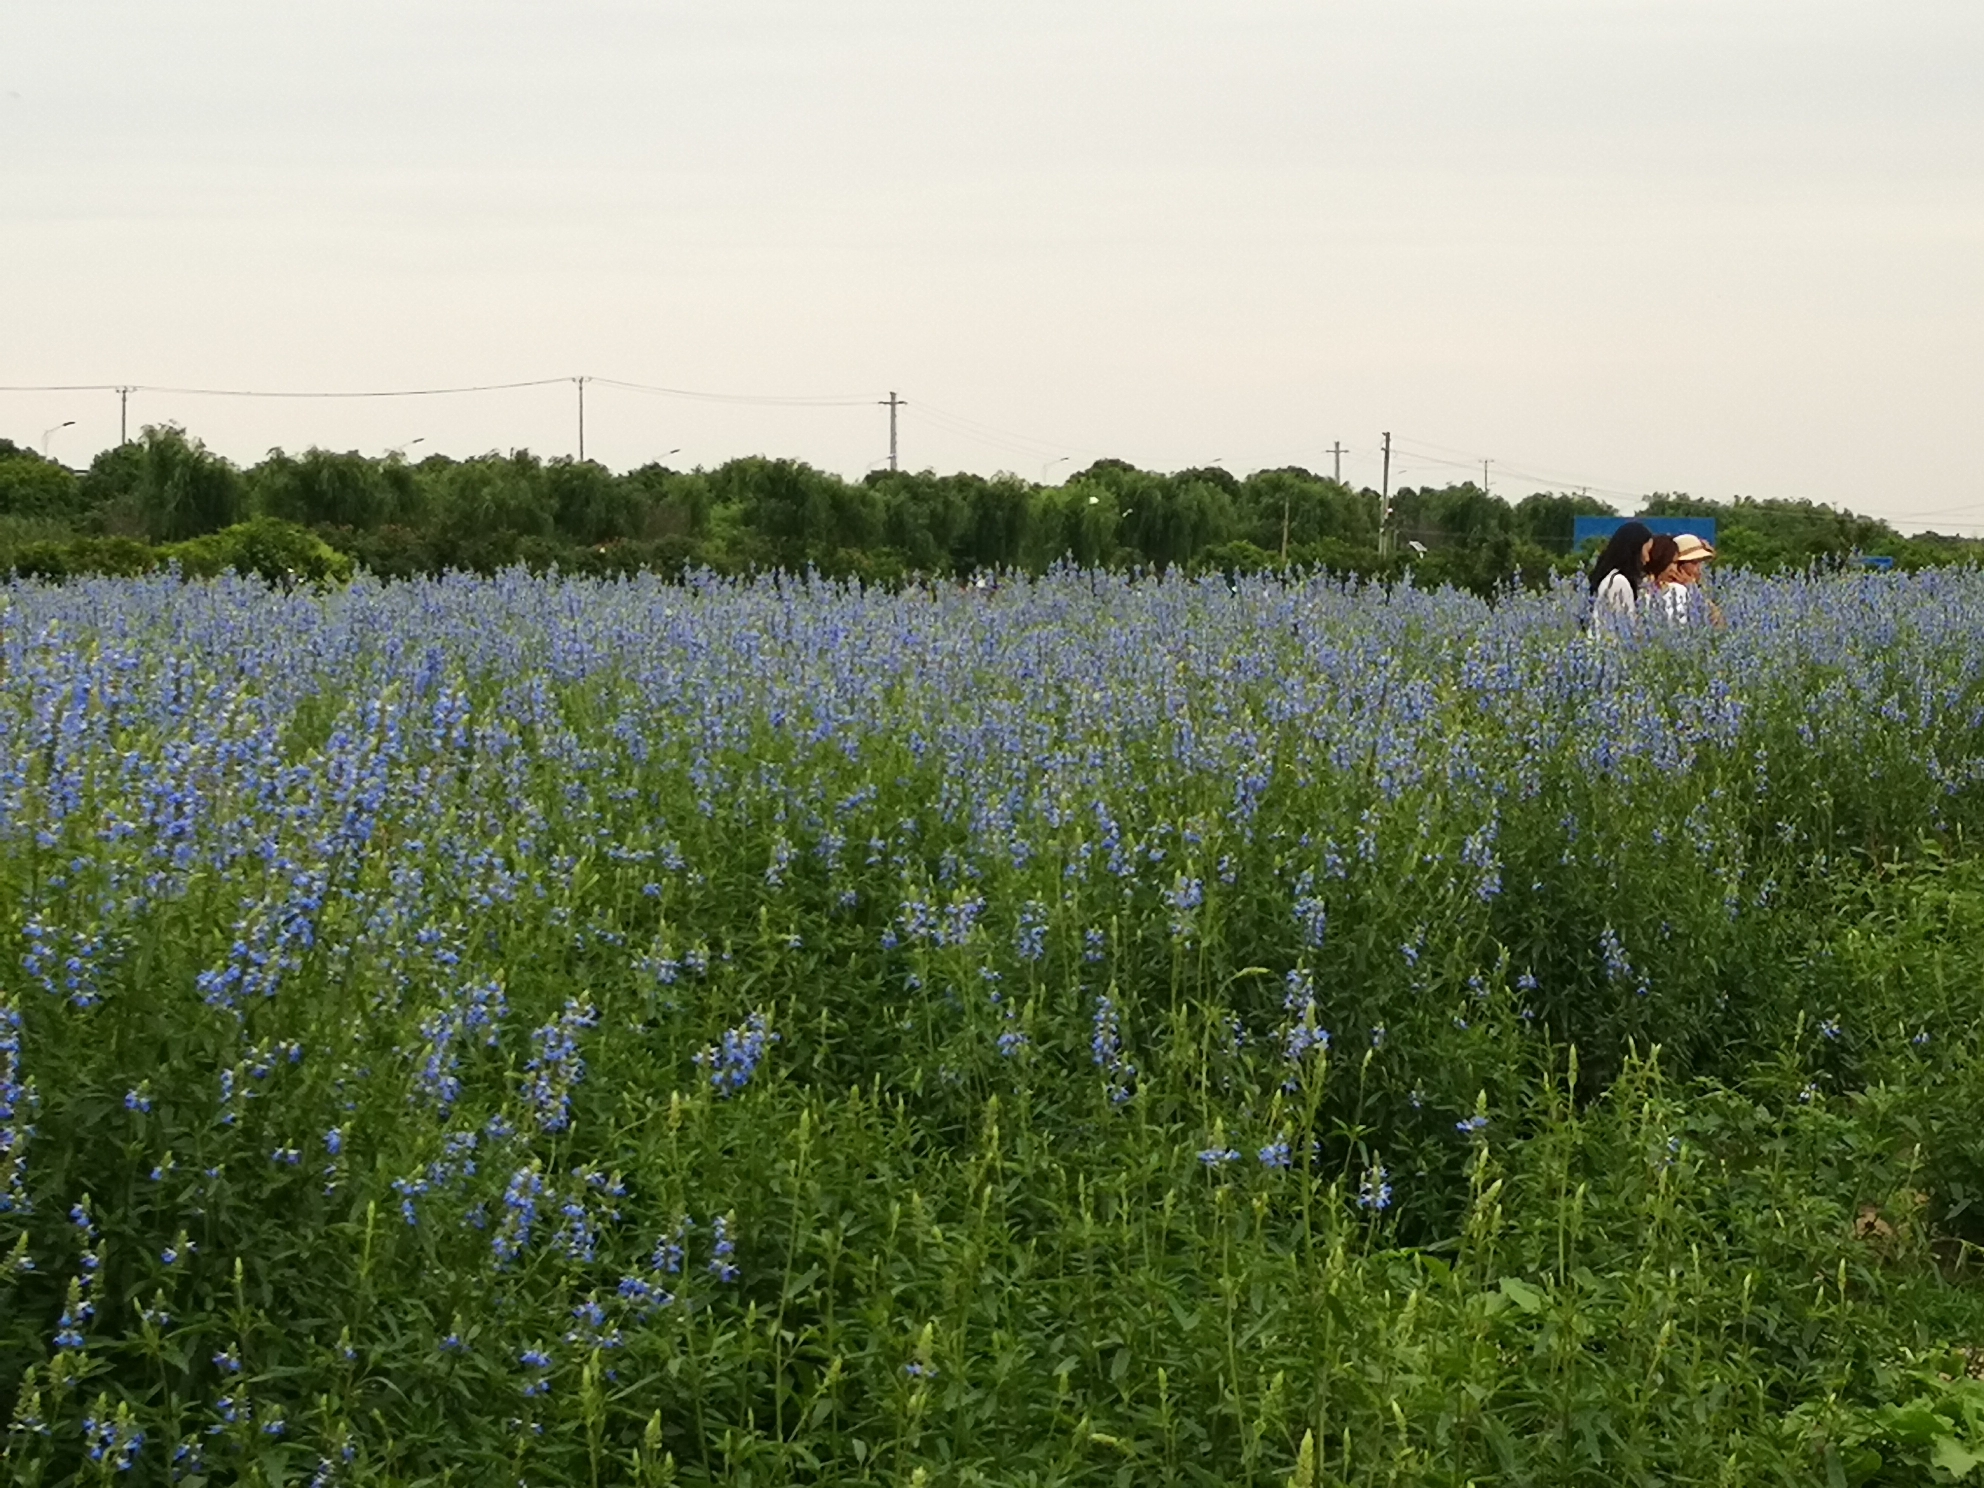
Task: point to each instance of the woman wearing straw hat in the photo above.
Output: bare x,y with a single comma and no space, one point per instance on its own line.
1683,596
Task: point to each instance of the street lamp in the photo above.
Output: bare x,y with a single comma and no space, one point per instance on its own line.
48,434
400,449
1048,465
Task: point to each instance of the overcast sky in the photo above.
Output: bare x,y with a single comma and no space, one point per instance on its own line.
1721,246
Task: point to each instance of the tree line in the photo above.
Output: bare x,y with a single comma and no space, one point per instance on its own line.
399,518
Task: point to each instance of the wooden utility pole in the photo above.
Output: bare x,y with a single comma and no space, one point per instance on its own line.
1385,504
892,403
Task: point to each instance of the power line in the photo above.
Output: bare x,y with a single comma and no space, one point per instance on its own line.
1931,518
125,389
991,441
1024,443
834,400
980,434
1418,449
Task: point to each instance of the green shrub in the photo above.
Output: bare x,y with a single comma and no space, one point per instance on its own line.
278,551
1239,556
80,557
33,487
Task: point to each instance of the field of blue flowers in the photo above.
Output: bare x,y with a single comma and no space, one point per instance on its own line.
1090,1030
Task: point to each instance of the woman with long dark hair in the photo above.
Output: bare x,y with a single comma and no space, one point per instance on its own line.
1660,580
1617,575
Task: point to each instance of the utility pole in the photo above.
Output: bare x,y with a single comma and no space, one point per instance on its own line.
1336,468
123,415
892,403
1484,477
1385,504
581,381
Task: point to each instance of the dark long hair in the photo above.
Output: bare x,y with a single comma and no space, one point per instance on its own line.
1659,556
1622,555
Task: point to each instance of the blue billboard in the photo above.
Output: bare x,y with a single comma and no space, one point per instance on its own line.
1585,528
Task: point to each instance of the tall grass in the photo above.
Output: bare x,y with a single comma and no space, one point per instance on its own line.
1099,1030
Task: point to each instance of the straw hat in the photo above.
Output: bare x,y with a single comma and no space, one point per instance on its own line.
1691,549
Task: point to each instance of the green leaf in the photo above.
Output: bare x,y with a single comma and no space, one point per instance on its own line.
1954,1458
1913,1425
1528,1298
1861,1465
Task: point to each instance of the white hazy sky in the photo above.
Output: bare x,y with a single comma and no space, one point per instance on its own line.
1722,246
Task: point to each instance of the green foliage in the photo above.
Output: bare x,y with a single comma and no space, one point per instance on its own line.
280,552
1518,1222
1774,536
798,511
672,503
1463,515
320,488
494,510
1317,510
165,487
1159,520
490,496
33,487
109,489
80,557
1549,519
588,504
1494,562
1239,557
1345,560
276,551
924,516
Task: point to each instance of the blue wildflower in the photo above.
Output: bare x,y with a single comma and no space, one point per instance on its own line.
1374,1189
722,1247
732,1064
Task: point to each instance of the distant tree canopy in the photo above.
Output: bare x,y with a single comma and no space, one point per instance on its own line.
400,518
165,487
33,487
